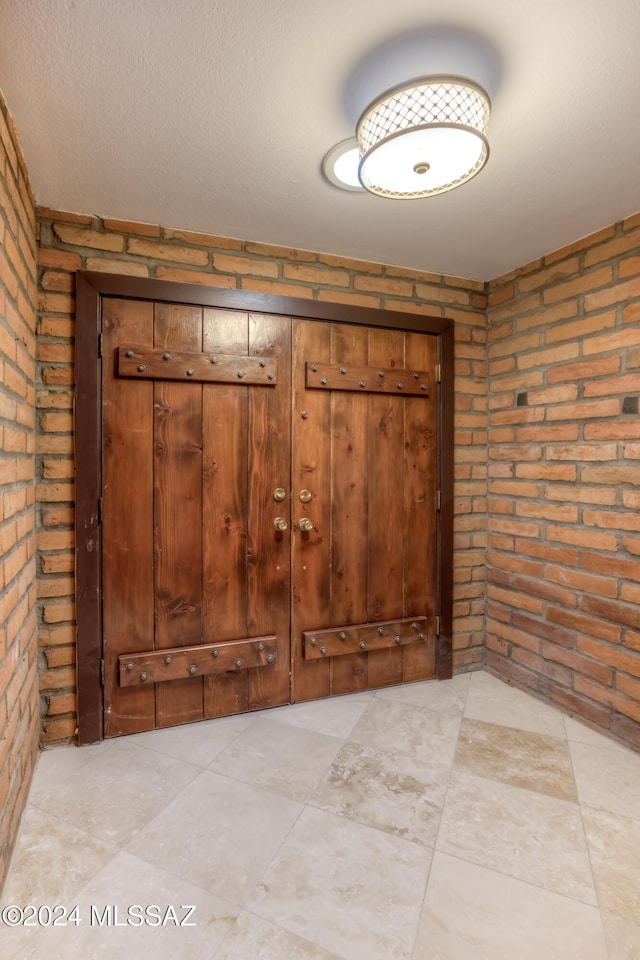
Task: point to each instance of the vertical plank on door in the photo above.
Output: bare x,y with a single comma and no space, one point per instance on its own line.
349,506
420,518
178,512
225,508
386,543
311,470
269,551
127,534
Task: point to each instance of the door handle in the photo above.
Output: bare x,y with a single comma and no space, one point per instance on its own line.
280,524
305,524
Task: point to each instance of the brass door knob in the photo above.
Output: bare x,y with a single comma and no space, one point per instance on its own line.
279,524
305,524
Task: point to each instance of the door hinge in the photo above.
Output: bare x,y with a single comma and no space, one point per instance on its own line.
438,500
102,673
100,509
436,626
438,373
99,344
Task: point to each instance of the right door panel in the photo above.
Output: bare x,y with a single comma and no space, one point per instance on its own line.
364,458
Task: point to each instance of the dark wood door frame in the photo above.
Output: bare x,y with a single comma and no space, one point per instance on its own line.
90,289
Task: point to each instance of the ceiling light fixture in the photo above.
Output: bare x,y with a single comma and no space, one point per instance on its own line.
419,139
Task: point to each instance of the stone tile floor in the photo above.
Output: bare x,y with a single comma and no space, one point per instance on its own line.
460,820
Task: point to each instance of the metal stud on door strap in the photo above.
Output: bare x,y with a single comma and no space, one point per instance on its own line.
152,364
155,666
360,637
332,376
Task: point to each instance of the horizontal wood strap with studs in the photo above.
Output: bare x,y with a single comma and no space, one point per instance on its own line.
361,637
336,376
177,663
145,363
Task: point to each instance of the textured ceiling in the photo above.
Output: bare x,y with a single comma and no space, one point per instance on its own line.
214,115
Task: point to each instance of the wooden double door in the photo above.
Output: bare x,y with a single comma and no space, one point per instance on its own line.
269,510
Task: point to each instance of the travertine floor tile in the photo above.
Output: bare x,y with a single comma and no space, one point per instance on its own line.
279,757
442,697
115,792
472,913
197,743
529,760
307,833
392,792
258,939
495,701
352,890
336,720
607,779
53,860
623,937
614,845
518,832
219,834
404,729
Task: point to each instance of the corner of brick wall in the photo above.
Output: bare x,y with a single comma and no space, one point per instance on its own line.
19,712
563,563
70,242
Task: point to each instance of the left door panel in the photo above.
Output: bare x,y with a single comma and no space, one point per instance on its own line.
190,556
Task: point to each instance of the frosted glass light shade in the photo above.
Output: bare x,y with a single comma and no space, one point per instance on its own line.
424,138
340,165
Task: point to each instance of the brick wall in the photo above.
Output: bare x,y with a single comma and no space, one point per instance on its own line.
563,562
69,242
19,714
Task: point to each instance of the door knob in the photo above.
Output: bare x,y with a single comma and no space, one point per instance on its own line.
279,524
305,524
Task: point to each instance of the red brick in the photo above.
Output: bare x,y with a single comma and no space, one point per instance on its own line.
578,580
195,276
610,611
629,383
547,434
576,494
620,430
610,520
546,631
584,624
209,240
632,545
580,328
612,248
619,340
581,451
129,226
585,709
547,511
545,471
516,528
616,293
174,252
514,599
584,410
583,369
534,548
616,566
607,697
582,538
577,663
81,237
128,268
